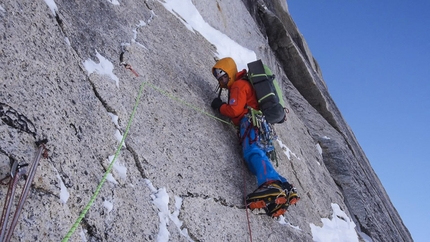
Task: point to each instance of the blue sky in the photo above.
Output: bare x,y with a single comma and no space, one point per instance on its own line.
375,59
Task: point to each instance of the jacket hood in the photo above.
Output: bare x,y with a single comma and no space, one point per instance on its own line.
229,66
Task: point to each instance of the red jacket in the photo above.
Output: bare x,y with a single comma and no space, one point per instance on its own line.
241,95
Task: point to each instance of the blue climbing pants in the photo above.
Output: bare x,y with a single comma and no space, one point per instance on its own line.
255,157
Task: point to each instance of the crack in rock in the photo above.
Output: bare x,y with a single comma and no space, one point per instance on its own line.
16,120
218,200
137,161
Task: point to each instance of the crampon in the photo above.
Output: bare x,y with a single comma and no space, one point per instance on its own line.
272,205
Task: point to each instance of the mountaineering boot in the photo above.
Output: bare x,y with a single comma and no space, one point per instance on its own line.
275,210
273,198
267,192
291,191
270,197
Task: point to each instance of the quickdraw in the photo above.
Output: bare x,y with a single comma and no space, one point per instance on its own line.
18,171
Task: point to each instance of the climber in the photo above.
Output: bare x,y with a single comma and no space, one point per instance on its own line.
274,193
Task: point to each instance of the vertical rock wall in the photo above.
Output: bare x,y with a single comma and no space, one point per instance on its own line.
175,148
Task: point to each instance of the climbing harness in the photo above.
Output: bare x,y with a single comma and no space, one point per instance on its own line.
17,171
264,133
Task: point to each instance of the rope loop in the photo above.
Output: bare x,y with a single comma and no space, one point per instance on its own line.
109,169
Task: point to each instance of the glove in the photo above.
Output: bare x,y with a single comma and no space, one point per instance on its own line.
217,103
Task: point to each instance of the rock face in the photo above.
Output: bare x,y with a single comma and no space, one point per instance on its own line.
52,87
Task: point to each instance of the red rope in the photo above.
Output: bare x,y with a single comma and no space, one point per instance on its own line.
247,134
244,196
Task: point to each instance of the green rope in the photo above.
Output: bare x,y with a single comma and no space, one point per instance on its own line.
187,104
93,198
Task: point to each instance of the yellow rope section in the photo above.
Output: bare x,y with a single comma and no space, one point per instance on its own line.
187,104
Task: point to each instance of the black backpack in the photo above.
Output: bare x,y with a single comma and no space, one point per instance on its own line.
269,95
